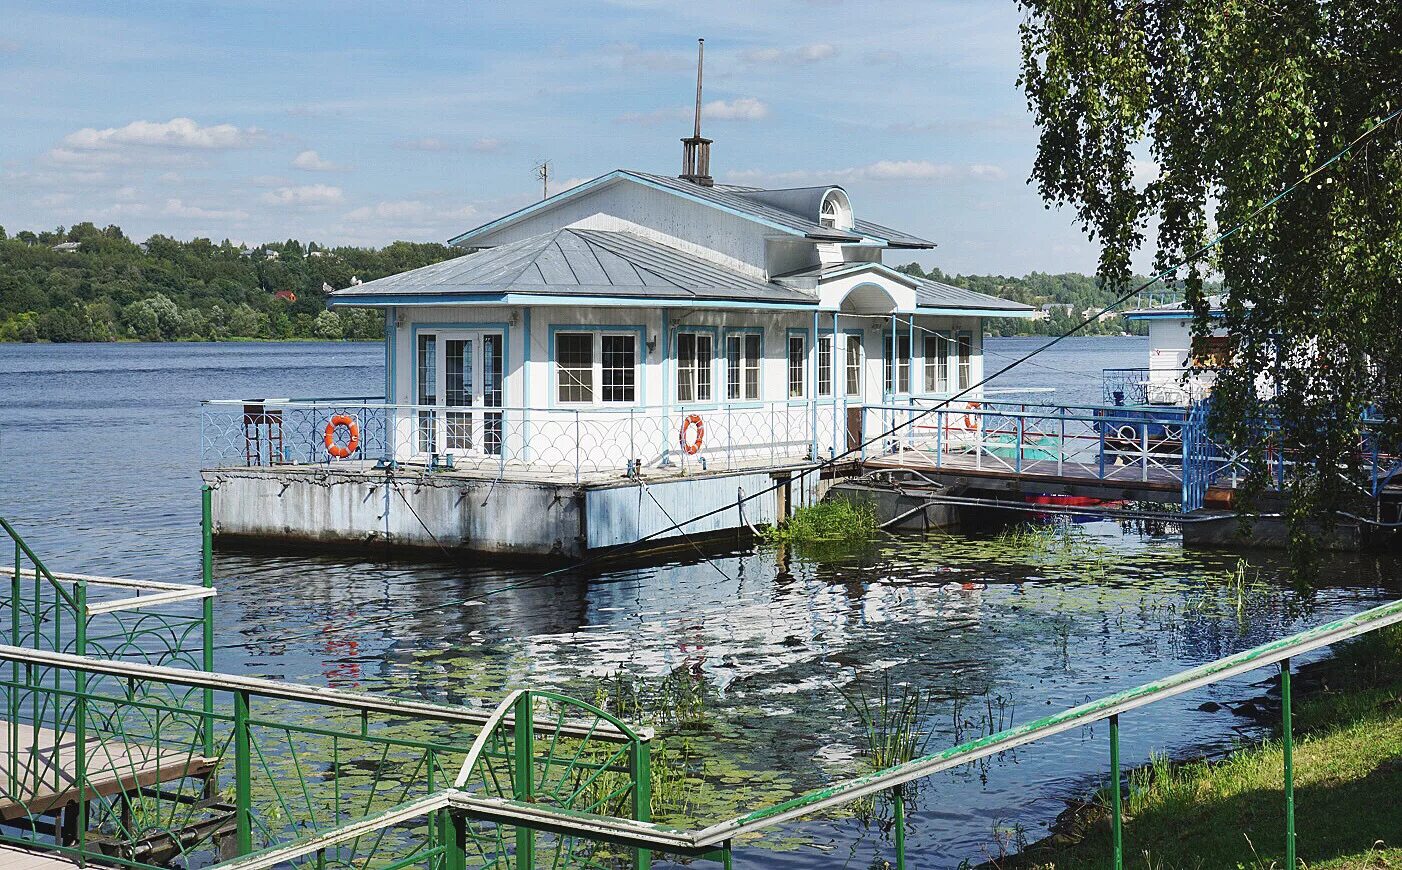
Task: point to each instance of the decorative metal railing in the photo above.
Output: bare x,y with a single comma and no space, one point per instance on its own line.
552,441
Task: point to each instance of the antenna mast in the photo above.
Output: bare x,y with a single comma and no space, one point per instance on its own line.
542,171
696,151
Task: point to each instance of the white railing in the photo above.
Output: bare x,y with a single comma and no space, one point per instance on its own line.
555,441
1103,443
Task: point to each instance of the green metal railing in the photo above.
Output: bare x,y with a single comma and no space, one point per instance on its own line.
716,840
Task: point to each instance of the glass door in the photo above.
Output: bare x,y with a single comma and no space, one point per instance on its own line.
469,366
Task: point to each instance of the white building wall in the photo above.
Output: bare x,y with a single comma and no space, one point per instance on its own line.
538,427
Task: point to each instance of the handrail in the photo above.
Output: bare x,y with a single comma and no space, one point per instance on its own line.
648,835
281,690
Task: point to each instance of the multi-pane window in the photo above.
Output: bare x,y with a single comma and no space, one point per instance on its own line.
584,359
936,363
742,366
492,348
427,356
619,356
902,363
854,365
825,365
798,367
695,351
965,352
457,392
574,366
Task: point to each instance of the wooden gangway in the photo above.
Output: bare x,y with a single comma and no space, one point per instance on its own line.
16,858
41,768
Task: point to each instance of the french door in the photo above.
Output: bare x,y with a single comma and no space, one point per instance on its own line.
459,381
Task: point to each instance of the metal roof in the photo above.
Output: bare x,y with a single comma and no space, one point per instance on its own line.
579,262
1171,310
736,199
935,294
928,293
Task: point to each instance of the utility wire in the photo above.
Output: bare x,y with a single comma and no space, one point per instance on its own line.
910,421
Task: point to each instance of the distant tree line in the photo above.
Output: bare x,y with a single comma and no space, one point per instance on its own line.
111,288
1067,299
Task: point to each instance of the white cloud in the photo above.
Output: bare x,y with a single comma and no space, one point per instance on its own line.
54,200
811,53
407,210
314,162
987,171
182,133
738,109
178,208
304,195
881,170
427,143
486,144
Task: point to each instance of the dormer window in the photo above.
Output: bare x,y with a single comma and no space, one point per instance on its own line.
835,212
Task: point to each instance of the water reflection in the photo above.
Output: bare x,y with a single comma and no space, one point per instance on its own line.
998,628
98,468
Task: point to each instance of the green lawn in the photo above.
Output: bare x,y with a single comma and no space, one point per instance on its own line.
1230,813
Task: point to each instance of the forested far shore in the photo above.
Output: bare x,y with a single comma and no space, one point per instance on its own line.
91,284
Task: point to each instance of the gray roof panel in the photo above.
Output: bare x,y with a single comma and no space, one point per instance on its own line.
579,262
936,294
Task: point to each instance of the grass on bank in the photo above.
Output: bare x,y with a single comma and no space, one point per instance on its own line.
1230,813
833,521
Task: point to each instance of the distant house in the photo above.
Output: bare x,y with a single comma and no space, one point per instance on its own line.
285,296
1100,316
67,247
322,254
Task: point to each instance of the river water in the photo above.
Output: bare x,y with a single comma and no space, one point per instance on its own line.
98,460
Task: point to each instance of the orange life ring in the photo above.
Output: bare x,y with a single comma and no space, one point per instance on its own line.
341,451
691,448
968,421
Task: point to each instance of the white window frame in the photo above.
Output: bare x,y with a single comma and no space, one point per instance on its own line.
891,368
695,368
802,369
937,366
597,368
824,338
963,370
745,364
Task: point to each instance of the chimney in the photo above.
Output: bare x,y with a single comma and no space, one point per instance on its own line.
696,151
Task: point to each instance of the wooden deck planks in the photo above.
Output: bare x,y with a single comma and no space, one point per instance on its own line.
40,769
16,858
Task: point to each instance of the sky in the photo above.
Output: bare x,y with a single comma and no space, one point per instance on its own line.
363,123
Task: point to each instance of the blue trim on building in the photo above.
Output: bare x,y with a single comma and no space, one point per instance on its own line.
391,334
544,300
639,355
503,328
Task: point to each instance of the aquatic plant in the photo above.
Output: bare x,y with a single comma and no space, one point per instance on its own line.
831,521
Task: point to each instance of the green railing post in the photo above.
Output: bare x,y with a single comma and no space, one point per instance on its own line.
726,859
523,774
899,797
80,717
243,775
640,769
1287,744
207,611
1116,809
455,844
